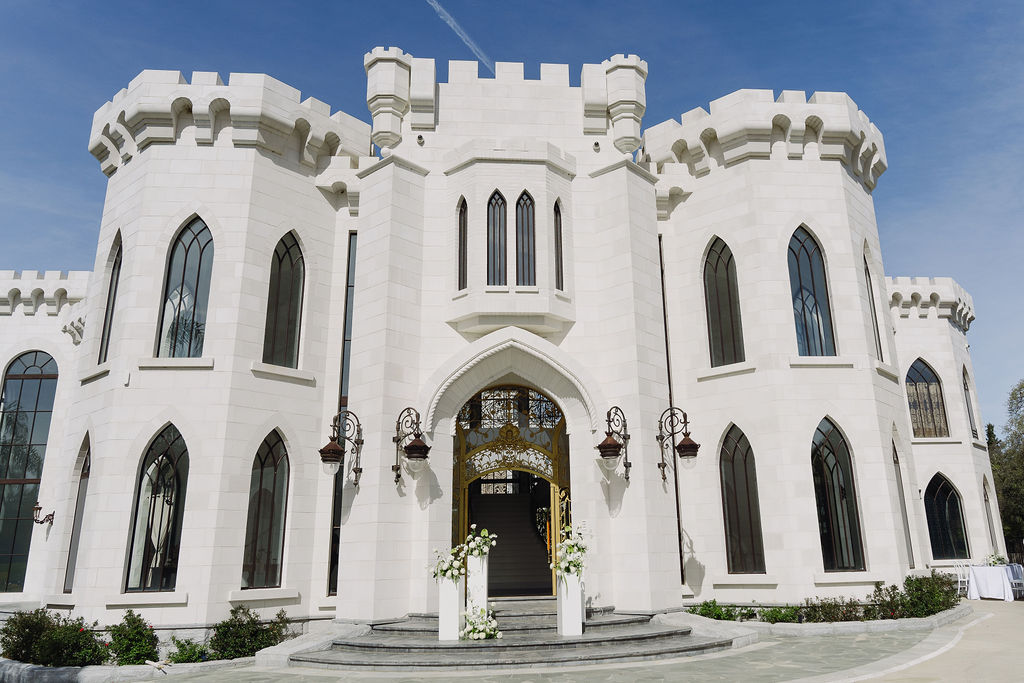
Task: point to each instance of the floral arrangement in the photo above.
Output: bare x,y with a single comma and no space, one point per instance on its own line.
450,565
995,560
479,544
572,552
480,625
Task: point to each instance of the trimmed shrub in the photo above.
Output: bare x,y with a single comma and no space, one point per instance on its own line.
888,602
133,640
710,609
42,637
243,635
187,650
780,615
928,595
821,610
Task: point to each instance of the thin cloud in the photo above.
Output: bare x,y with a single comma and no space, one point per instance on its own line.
461,33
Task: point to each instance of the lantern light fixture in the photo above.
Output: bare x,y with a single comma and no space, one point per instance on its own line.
671,422
415,449
346,431
616,442
37,510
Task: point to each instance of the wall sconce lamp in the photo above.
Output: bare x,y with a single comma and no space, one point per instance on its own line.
415,449
48,519
670,422
616,442
345,429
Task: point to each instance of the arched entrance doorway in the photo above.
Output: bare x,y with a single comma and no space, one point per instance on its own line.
511,476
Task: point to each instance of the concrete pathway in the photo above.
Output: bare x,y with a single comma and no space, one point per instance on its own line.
984,646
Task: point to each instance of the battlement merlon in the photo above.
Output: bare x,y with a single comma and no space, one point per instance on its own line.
262,112
32,292
748,124
922,294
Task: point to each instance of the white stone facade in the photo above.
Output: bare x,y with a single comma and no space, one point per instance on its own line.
254,162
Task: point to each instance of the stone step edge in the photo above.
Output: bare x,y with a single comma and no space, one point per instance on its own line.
516,627
571,642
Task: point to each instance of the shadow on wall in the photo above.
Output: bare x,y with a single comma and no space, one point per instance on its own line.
694,570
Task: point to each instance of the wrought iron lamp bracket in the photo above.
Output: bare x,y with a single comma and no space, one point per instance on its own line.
409,442
671,422
616,441
48,519
346,430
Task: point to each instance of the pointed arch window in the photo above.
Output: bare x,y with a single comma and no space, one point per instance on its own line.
970,405
903,505
526,242
463,246
496,240
76,526
988,517
264,529
186,293
809,288
743,543
559,268
284,304
924,395
29,387
159,508
108,311
722,303
872,307
836,500
945,520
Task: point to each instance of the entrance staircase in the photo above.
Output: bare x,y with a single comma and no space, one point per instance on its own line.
529,639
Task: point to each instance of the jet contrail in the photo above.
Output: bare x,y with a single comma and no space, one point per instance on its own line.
461,33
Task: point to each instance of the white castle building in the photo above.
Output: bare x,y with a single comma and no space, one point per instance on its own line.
510,258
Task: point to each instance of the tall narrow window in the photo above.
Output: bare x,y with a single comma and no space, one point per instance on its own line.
30,384
463,246
743,544
945,520
264,529
722,302
872,307
988,517
159,508
284,304
903,505
76,526
526,242
496,240
559,268
927,409
186,293
836,500
108,312
970,406
807,283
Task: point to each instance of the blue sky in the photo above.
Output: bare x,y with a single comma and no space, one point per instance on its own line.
944,81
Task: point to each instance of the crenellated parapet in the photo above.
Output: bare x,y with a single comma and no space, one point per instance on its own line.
32,293
753,124
254,109
919,296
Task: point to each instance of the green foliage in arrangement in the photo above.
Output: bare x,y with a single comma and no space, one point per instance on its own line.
779,615
243,635
133,641
825,610
187,650
49,639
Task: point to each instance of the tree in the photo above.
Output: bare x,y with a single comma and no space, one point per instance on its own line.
1007,458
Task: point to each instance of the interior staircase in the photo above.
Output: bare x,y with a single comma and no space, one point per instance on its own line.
518,565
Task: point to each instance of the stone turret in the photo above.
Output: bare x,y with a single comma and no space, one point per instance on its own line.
627,99
388,72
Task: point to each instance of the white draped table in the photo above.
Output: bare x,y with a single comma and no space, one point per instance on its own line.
989,582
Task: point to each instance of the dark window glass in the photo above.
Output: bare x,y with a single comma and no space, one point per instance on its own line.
722,302
186,293
496,240
836,500
559,272
76,527
970,406
335,560
743,544
903,505
526,242
27,405
810,296
284,304
988,519
463,246
264,529
159,508
108,312
924,395
945,520
872,307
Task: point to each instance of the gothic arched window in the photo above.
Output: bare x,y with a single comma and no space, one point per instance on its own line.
30,385
559,268
836,500
970,406
811,311
264,528
284,304
159,509
108,312
186,293
945,520
526,242
463,246
722,303
76,526
871,306
927,409
496,240
743,544
903,505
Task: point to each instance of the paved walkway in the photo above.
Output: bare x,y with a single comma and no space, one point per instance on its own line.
984,646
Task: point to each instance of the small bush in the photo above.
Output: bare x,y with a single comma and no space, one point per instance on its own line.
928,595
133,640
242,634
42,637
710,609
22,634
888,602
187,650
821,610
780,615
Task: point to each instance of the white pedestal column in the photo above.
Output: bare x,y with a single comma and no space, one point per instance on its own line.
451,598
570,605
476,582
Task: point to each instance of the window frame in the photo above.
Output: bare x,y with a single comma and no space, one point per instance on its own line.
497,245
725,346
823,342
928,405
272,451
196,335
741,532
842,550
288,247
